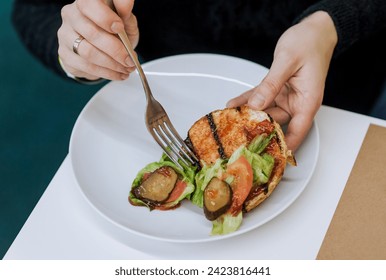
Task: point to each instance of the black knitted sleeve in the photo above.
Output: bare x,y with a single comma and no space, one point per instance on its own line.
37,23
354,19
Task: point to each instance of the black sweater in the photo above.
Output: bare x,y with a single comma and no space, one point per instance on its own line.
244,28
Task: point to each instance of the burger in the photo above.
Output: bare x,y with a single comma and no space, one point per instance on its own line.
242,157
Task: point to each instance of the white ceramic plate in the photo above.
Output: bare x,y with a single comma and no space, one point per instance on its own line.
110,144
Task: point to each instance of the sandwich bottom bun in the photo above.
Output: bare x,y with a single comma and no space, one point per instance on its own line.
221,132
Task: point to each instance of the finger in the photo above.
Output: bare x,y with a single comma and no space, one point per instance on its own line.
77,73
279,115
104,41
94,55
89,52
297,130
80,74
264,94
239,100
82,68
97,11
124,9
132,30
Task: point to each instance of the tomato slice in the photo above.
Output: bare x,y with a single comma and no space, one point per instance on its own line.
177,191
242,172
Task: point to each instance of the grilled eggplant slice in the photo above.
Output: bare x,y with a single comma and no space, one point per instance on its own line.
158,186
217,198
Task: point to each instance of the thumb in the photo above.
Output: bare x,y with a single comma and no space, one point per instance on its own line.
124,8
265,93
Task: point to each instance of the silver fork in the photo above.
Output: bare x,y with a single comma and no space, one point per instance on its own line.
156,118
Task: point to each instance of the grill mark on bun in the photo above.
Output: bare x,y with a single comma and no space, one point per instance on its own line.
188,143
213,129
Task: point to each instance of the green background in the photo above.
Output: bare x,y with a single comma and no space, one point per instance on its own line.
37,113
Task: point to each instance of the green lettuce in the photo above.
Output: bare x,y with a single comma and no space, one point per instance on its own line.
259,143
203,178
262,165
226,224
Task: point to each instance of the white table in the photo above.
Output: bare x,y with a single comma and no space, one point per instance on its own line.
64,226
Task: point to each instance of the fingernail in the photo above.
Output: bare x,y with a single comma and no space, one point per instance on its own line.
117,27
256,101
129,62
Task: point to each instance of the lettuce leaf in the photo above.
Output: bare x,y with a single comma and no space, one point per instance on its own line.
203,178
262,165
260,142
189,170
226,224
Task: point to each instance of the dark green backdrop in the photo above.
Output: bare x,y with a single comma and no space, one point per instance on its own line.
37,113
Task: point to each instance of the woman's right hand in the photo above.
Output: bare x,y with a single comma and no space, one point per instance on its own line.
101,54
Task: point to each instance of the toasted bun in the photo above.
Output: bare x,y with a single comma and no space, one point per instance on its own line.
221,132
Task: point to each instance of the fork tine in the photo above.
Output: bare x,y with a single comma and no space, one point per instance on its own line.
162,141
175,146
173,134
172,143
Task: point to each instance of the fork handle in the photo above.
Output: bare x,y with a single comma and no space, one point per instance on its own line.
126,42
130,50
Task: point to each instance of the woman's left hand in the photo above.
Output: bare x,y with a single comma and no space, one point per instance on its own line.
293,89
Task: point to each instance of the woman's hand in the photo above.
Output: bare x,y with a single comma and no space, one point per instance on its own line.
293,89
100,54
